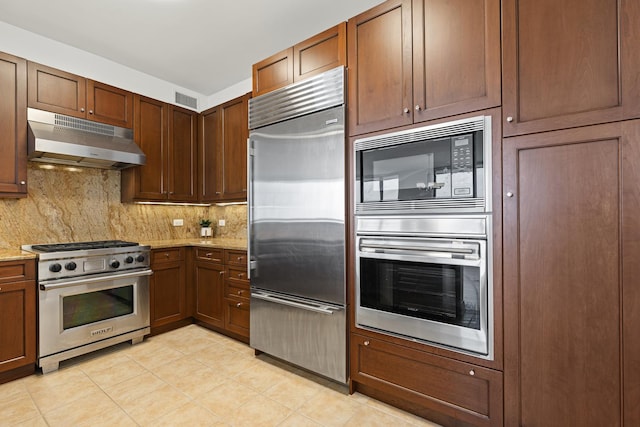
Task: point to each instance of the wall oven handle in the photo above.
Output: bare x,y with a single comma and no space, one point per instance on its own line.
396,249
101,278
323,309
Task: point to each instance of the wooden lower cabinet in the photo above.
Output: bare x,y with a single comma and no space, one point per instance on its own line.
208,284
168,297
17,319
571,268
447,391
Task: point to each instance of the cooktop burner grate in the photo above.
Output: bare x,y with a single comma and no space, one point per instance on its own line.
76,246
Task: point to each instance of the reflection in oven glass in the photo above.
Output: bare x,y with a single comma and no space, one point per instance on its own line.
82,309
443,293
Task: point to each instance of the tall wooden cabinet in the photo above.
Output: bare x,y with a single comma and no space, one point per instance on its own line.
168,288
55,90
168,136
571,250
17,319
13,126
569,63
222,168
208,283
413,61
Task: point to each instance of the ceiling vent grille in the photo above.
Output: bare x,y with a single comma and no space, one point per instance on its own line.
186,100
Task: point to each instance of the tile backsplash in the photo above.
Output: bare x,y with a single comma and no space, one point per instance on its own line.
65,205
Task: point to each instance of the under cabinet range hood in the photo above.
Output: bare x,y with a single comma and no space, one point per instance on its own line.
55,138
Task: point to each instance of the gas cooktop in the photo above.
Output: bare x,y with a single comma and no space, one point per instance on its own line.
78,246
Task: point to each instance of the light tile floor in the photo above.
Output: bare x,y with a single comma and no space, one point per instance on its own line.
187,377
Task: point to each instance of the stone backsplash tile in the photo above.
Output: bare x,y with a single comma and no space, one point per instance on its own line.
65,205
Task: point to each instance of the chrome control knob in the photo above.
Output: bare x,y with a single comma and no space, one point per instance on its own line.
128,260
70,266
55,268
115,263
140,258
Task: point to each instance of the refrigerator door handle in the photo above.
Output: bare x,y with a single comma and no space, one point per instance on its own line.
250,264
318,308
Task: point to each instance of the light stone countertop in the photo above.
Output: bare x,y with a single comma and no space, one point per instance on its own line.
216,242
15,255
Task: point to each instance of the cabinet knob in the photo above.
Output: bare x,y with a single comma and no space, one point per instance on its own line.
509,119
472,372
166,255
23,182
366,343
240,275
239,305
509,194
407,111
82,109
208,255
217,193
222,273
90,111
418,107
240,258
239,292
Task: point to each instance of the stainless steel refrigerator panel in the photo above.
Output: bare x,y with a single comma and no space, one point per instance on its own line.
311,337
297,229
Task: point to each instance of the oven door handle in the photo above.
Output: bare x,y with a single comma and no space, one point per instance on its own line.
102,278
403,249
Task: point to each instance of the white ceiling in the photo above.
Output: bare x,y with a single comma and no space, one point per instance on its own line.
201,45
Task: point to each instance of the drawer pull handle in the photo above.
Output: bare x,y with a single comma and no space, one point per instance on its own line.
209,255
239,305
240,275
472,372
240,258
366,343
222,273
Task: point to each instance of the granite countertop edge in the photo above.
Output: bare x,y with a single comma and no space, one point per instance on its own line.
220,242
16,255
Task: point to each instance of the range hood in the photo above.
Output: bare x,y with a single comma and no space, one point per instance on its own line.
55,138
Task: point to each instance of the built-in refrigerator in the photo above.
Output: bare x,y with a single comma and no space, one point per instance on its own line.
296,208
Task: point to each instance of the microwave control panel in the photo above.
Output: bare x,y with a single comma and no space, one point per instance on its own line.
462,166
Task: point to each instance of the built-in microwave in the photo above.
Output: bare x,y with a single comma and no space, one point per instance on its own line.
441,168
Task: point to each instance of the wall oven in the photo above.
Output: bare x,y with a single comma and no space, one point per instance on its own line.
440,168
427,278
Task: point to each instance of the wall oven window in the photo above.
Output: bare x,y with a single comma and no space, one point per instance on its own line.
439,292
437,168
85,308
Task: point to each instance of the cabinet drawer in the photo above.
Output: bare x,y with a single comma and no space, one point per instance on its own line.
235,258
209,254
15,271
237,316
237,274
236,288
166,255
463,391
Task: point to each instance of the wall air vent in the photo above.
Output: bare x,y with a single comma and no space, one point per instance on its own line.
186,100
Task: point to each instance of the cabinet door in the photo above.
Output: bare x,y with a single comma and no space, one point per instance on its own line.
209,289
569,63
380,64
237,316
17,324
571,206
168,293
13,126
56,91
456,57
209,170
320,53
273,72
108,104
182,172
150,130
234,132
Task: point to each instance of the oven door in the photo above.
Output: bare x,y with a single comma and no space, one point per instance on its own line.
76,312
430,289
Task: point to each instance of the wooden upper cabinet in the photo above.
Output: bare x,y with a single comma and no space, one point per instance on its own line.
456,57
13,126
223,151
65,93
320,53
108,104
571,294
182,166
380,68
313,56
412,61
273,72
569,63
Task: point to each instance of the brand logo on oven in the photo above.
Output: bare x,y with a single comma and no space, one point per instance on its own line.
101,331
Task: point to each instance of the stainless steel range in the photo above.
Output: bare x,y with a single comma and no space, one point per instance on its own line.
91,295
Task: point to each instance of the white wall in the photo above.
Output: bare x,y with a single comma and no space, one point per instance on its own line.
31,46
